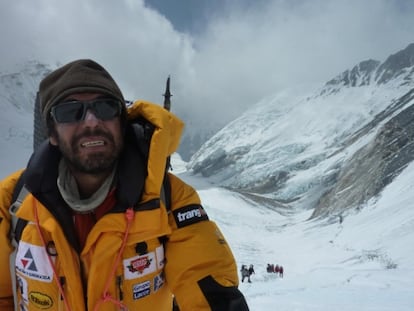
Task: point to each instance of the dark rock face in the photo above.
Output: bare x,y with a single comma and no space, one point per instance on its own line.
219,160
346,169
372,71
375,165
358,76
396,64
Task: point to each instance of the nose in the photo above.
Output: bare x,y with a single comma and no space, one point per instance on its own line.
90,117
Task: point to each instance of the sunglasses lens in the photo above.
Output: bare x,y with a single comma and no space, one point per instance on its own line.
106,109
68,112
75,111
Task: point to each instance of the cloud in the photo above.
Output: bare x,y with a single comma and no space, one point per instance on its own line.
137,45
245,52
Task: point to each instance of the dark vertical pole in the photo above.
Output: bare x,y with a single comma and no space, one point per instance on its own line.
167,95
167,105
39,128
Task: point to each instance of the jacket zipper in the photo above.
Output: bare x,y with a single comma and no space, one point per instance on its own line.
61,305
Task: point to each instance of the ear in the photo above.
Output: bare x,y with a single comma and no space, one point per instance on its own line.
52,139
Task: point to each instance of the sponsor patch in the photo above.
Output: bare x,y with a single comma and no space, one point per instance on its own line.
40,300
32,261
189,215
141,290
158,281
139,266
159,251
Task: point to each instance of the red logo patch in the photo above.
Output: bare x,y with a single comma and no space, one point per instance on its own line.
139,264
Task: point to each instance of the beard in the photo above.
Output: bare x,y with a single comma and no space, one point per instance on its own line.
94,163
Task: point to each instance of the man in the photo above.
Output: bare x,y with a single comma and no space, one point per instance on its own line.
104,228
281,271
251,271
245,273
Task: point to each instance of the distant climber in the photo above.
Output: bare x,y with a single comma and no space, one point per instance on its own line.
270,268
244,272
247,272
251,271
281,271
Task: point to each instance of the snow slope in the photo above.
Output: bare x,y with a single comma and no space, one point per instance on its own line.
364,263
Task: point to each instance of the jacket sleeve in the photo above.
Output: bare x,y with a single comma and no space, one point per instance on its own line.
200,268
6,192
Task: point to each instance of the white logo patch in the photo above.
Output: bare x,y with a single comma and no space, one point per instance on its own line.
139,266
32,261
141,290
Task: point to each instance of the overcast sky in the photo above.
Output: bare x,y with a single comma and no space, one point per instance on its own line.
223,55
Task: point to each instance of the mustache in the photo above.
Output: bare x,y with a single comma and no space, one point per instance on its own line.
93,132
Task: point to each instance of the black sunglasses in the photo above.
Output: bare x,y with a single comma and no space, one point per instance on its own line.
74,111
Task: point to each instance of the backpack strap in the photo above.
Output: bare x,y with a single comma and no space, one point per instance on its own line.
17,225
166,192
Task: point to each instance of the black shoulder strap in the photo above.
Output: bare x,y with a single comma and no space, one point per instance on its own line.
17,224
19,185
166,192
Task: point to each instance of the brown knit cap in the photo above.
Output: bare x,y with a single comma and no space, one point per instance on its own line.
80,76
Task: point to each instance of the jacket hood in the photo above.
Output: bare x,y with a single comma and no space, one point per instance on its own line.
136,184
165,140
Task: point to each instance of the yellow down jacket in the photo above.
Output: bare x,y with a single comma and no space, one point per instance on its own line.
137,257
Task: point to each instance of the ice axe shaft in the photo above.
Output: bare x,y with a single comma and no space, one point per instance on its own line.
167,106
167,95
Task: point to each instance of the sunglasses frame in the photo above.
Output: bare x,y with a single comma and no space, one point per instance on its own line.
86,105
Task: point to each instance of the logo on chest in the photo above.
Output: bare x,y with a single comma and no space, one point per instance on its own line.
139,266
33,262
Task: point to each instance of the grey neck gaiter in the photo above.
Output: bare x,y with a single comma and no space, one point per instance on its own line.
69,190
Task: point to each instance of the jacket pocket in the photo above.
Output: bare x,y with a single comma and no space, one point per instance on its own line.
143,272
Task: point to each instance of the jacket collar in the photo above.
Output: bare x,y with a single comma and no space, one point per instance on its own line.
42,172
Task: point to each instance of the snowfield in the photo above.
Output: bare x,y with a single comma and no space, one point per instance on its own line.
364,263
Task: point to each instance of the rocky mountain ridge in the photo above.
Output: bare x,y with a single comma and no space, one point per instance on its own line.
330,150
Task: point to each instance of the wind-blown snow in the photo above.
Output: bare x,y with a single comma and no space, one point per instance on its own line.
286,146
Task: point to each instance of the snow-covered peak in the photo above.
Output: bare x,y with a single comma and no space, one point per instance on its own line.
360,75
18,89
292,147
397,70
399,65
19,86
